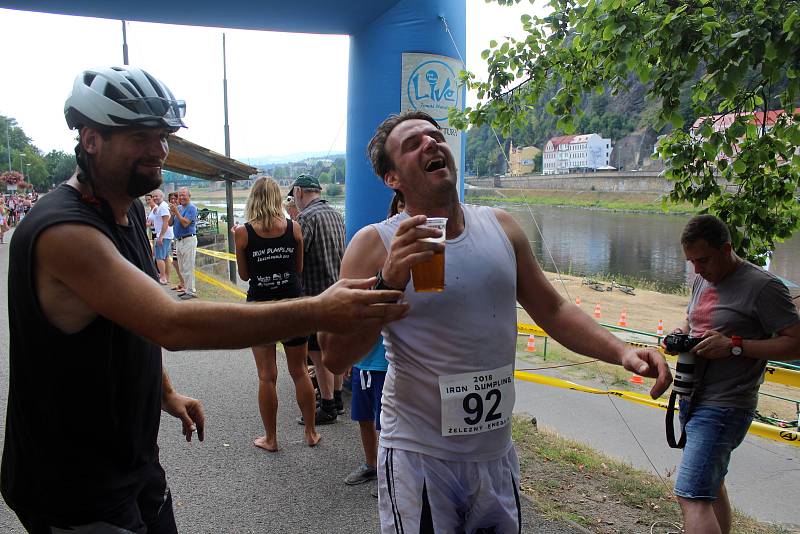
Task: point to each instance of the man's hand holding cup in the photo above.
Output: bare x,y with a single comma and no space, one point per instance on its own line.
410,247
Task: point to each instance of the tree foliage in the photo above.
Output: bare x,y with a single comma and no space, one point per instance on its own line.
19,154
59,165
715,56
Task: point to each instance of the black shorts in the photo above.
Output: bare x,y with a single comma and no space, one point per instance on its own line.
294,342
149,510
313,344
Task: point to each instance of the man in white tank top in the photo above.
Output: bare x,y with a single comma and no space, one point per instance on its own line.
446,460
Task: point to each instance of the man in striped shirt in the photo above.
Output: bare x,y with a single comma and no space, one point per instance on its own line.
323,248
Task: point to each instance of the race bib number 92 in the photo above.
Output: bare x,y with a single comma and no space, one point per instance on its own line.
476,402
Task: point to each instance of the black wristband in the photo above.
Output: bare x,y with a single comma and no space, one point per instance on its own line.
381,283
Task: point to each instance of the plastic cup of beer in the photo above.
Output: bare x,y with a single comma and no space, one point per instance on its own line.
428,276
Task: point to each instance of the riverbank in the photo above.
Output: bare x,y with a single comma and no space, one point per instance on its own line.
597,200
635,202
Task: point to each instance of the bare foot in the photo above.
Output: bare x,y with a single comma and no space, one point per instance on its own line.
313,439
266,444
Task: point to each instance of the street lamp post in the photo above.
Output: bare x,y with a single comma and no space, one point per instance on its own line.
21,155
28,165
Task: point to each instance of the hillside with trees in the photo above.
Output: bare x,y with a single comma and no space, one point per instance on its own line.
612,116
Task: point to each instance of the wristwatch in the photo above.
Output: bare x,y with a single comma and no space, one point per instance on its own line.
736,346
381,283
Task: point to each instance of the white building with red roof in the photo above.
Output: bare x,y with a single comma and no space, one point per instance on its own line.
720,123
575,153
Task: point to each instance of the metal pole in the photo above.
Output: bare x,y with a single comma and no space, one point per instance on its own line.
124,45
228,181
8,142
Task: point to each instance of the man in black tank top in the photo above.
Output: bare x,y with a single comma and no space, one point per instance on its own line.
85,360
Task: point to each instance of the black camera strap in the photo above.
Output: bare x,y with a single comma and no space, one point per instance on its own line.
670,420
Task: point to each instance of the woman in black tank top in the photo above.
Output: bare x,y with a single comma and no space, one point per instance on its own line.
269,254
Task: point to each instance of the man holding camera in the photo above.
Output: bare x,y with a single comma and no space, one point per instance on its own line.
745,316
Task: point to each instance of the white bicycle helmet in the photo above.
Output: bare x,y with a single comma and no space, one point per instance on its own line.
120,97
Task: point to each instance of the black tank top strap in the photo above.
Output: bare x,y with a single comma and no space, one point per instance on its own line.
251,232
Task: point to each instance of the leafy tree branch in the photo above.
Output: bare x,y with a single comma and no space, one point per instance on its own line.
697,58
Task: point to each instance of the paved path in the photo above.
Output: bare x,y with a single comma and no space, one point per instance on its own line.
226,485
764,476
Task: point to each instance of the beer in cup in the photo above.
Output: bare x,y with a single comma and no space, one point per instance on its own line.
428,276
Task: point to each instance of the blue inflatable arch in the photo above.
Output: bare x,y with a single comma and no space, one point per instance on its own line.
384,35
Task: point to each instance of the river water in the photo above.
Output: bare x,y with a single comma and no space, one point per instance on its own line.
585,242
642,246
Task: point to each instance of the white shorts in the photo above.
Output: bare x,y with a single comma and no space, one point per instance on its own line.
420,493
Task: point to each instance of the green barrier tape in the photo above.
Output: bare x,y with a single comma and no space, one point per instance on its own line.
774,374
775,433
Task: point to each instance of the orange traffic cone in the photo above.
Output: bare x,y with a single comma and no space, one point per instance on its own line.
597,311
623,318
578,301
636,379
660,330
531,344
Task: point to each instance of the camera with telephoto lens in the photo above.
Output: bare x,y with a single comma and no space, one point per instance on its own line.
677,343
681,344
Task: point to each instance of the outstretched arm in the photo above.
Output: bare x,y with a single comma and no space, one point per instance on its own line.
567,324
78,261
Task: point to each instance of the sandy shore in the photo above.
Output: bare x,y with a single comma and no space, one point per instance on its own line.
643,309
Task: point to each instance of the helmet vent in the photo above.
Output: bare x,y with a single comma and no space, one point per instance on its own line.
157,86
114,94
130,88
138,91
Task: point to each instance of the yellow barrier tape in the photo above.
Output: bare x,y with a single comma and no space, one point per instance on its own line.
526,328
779,375
216,254
759,429
213,281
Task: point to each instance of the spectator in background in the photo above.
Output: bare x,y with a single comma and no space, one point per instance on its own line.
163,236
184,217
150,214
269,254
323,247
180,287
398,204
3,218
368,376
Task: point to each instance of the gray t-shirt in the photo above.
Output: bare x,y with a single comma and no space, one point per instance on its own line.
751,303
